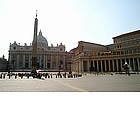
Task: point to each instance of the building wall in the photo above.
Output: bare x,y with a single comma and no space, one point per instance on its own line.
89,57
52,58
3,64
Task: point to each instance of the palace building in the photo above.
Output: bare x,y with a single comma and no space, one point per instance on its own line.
86,57
91,57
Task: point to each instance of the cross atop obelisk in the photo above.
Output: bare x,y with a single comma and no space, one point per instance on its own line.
34,47
36,13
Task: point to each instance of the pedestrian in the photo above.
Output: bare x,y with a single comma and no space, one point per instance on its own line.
22,76
1,76
65,75
28,76
15,76
9,75
45,75
4,76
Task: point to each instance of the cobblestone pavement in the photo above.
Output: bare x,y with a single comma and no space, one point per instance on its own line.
86,83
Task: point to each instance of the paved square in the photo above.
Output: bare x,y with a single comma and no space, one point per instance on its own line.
86,83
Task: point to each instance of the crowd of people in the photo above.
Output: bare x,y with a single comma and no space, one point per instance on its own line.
47,75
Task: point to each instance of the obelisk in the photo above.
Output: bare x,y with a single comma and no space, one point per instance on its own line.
34,47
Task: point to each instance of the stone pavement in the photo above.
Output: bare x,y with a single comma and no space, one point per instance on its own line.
86,83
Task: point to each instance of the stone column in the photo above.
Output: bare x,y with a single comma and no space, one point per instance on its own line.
97,66
29,61
81,65
129,61
109,69
117,64
121,63
57,64
134,66
40,61
78,66
93,65
51,61
88,65
101,65
64,62
113,64
24,61
138,64
105,65
44,62
17,62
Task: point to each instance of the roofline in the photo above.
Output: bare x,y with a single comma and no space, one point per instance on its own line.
130,33
92,43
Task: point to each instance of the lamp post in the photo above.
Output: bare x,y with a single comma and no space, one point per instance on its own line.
126,68
70,67
70,71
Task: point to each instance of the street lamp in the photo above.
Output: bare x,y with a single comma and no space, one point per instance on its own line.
126,68
70,70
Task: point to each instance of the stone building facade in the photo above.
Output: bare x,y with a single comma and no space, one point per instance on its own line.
48,57
89,57
3,64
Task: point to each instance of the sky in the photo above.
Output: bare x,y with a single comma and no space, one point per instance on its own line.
67,21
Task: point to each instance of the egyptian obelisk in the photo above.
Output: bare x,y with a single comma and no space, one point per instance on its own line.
34,47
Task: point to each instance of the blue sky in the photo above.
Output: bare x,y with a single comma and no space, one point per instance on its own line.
67,21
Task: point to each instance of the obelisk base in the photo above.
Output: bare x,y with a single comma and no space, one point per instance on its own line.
34,65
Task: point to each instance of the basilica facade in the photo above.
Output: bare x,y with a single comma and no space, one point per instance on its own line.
3,63
48,57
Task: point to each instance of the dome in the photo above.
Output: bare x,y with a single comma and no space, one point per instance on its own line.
41,41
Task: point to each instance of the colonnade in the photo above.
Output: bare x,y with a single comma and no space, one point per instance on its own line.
43,61
108,65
